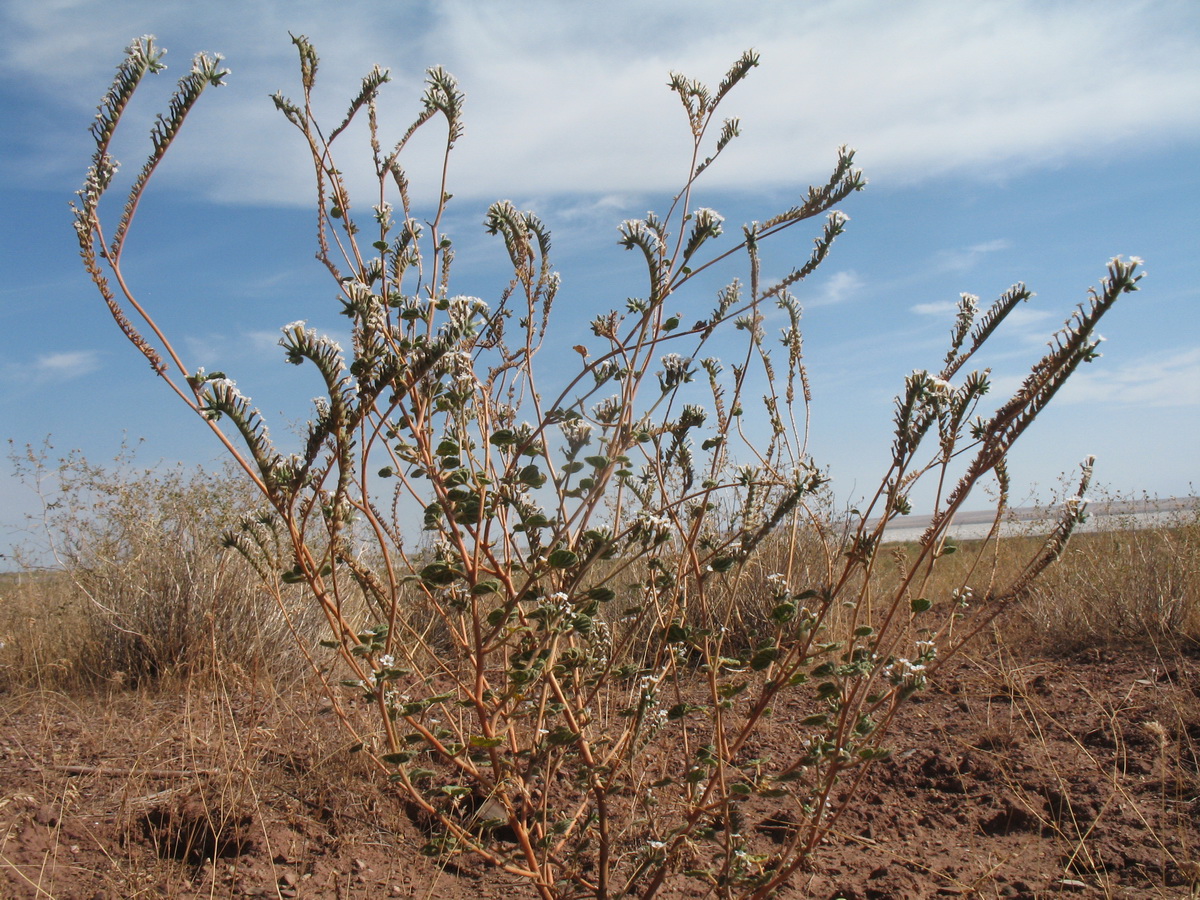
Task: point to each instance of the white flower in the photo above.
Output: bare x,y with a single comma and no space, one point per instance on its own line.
387,660
905,672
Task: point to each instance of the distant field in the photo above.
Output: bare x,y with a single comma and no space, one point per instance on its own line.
1103,515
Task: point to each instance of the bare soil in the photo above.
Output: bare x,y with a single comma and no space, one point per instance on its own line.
1012,777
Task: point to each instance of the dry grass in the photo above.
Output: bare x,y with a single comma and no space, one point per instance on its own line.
146,594
138,589
1121,586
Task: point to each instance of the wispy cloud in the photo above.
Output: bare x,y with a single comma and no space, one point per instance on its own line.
263,341
65,365
52,368
1164,380
940,308
560,100
966,258
1022,319
838,288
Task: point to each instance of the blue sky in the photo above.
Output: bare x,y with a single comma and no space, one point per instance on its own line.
1004,142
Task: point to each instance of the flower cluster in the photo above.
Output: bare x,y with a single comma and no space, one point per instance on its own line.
676,371
905,674
779,582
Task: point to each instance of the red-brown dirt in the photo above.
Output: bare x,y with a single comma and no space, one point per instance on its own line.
1011,778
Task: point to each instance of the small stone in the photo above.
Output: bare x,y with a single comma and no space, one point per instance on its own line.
46,815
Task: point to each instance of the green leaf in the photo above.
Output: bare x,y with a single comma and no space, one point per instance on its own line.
784,612
764,657
563,558
532,476
679,710
439,573
677,633
561,736
486,743
488,586
827,690
732,690
602,594
502,437
921,604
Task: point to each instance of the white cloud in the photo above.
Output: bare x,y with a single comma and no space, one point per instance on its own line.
1165,380
1025,318
940,308
263,341
965,258
838,288
1022,319
561,99
49,368
64,365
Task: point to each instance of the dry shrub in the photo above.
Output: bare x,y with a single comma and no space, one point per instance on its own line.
141,587
1124,585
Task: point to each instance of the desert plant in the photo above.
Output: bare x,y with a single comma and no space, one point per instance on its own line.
581,709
